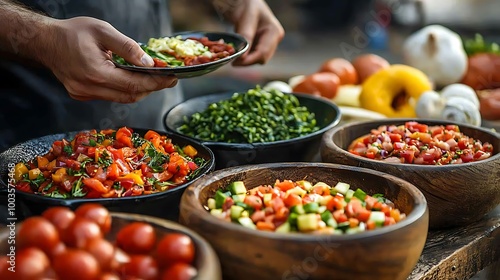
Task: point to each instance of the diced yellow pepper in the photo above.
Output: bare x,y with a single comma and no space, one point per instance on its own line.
134,176
190,151
51,165
42,161
19,170
57,177
106,142
33,173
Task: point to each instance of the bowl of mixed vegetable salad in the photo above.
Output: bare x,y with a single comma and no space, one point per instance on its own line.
255,125
188,54
125,169
280,220
456,166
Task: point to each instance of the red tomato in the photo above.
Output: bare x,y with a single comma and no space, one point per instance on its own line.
142,267
80,231
95,185
343,68
76,264
175,247
38,232
292,199
408,155
151,134
395,137
123,135
179,271
31,263
59,216
253,201
102,250
285,185
96,213
136,238
159,63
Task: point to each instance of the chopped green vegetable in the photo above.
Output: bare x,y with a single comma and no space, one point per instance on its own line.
479,45
253,116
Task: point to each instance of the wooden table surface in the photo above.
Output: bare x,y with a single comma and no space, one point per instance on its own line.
460,253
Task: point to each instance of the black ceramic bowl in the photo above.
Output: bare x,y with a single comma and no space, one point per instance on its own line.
305,148
163,204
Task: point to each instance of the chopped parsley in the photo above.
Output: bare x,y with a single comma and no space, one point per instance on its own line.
76,190
35,182
105,159
68,150
137,140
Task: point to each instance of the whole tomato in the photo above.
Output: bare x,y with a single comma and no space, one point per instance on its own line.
175,247
136,238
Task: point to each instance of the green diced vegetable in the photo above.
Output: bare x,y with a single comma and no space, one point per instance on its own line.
239,197
311,207
342,187
247,222
327,217
284,228
378,217
306,184
292,219
236,212
220,198
354,230
307,222
211,203
360,194
237,187
216,212
298,209
348,195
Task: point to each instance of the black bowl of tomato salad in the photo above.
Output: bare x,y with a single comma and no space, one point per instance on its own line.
125,169
456,166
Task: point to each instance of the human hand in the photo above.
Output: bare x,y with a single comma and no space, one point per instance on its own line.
80,57
254,20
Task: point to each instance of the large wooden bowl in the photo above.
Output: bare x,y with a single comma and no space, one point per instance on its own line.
387,253
457,194
206,261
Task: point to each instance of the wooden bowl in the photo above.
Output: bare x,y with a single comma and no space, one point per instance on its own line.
457,194
206,261
386,253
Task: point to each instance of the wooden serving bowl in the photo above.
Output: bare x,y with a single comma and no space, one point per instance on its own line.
385,253
206,261
457,194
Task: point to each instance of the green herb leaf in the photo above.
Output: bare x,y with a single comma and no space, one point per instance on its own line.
68,150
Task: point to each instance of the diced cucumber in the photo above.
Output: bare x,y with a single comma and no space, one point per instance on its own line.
311,207
267,197
306,184
327,217
245,213
332,223
342,187
298,191
284,228
220,198
236,211
307,222
216,212
247,222
242,204
321,184
344,225
237,187
378,217
211,203
338,232
323,200
348,195
360,194
354,230
298,209
239,197
292,219
321,209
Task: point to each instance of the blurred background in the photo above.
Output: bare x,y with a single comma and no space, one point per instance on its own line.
317,30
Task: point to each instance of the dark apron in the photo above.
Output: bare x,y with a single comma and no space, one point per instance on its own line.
34,103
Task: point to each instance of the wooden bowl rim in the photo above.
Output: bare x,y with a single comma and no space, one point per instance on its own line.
330,144
419,211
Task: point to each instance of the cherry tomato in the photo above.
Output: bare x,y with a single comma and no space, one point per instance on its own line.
343,68
142,267
136,238
31,263
102,250
80,231
109,276
179,271
175,247
76,264
97,213
60,217
38,232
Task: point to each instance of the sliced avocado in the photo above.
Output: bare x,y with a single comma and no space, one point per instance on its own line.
237,187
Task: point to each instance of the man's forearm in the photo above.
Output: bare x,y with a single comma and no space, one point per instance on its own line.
23,32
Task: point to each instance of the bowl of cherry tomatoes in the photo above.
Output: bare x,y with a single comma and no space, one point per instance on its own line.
455,165
93,243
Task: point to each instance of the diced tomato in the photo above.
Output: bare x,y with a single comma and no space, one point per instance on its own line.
57,148
408,155
192,165
126,183
95,184
340,216
399,145
159,63
370,154
282,213
292,199
435,130
258,215
91,152
123,135
355,209
227,204
24,186
253,201
151,134
112,172
463,144
467,156
452,127
416,127
285,185
395,137
277,203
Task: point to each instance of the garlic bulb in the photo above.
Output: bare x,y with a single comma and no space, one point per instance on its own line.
461,110
429,105
438,52
278,85
460,90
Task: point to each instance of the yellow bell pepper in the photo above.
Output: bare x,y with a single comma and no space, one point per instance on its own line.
135,175
57,177
19,170
394,91
33,173
190,151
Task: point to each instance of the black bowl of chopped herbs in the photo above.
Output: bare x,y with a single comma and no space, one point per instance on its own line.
255,126
163,204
